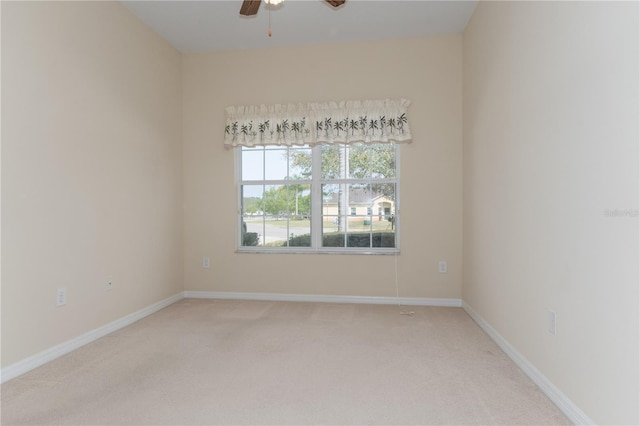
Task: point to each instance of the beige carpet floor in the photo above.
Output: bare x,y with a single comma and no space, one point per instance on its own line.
246,362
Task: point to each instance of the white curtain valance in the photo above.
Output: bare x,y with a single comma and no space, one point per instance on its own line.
370,121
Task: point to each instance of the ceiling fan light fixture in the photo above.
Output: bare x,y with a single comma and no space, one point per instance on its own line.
273,2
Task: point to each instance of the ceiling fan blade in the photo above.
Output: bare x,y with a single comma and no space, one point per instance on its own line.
335,3
250,7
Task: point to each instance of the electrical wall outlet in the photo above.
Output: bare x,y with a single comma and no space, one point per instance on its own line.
206,262
442,266
61,296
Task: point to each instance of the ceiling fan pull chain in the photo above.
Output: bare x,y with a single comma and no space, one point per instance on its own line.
269,22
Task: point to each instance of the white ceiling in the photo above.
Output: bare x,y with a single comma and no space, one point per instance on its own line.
201,26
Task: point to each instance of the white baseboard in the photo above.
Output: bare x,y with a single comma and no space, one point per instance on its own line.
282,297
577,416
574,413
34,361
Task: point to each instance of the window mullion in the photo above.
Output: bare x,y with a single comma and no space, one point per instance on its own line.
316,197
239,201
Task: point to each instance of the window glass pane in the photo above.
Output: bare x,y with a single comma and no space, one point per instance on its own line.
359,198
252,229
383,226
359,239
359,161
299,227
252,163
332,236
363,229
377,239
333,196
252,215
359,226
300,163
287,219
368,233
383,161
276,162
331,157
372,161
275,231
383,199
276,215
275,201
252,200
334,215
299,201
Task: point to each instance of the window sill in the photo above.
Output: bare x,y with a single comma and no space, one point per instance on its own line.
299,250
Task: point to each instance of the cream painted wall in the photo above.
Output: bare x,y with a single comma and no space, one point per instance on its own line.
551,145
95,108
425,70
91,170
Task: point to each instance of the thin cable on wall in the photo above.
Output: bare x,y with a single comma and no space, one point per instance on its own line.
408,313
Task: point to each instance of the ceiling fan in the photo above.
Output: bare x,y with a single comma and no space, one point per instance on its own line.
250,7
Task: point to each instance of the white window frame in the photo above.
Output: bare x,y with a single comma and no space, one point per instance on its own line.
316,208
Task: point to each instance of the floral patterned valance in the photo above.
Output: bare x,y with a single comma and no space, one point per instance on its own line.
371,121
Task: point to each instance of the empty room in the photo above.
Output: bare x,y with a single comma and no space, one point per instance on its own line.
320,212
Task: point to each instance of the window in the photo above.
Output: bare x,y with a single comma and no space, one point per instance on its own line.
311,175
320,199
